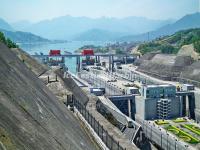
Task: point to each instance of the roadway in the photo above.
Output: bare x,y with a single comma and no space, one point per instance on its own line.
100,82
151,79
131,74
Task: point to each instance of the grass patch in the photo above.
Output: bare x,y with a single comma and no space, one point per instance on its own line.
185,138
161,122
174,131
192,128
182,134
179,120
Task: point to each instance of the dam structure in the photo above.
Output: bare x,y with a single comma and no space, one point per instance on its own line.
132,101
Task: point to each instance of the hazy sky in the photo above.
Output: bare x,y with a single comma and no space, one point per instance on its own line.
36,10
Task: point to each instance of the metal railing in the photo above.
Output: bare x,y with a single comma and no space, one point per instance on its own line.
188,81
176,79
132,76
161,138
96,81
107,139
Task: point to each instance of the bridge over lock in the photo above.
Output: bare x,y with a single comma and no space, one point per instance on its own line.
111,58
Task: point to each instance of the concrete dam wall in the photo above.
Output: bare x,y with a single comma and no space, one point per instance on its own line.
31,117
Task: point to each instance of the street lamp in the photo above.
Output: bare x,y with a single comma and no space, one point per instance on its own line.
167,140
175,143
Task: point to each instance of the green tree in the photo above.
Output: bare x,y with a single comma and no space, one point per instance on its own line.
2,38
167,49
7,41
11,44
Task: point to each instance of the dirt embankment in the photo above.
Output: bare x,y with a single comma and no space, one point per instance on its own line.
164,64
31,117
188,50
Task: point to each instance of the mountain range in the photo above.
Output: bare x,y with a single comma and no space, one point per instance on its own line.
18,36
98,35
23,37
99,29
80,28
4,25
187,22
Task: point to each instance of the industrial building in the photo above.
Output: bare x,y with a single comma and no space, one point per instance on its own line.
162,102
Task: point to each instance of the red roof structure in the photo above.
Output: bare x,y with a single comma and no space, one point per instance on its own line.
54,52
88,52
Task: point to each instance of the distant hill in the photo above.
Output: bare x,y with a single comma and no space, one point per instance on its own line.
4,25
18,36
172,44
68,27
97,35
187,22
21,25
23,37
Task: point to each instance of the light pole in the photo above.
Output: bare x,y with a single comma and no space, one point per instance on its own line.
161,138
167,140
175,143
151,132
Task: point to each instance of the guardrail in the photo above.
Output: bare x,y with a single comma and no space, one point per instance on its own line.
160,138
176,79
132,76
188,81
111,89
98,128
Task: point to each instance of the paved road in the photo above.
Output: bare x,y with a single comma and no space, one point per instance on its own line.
101,81
155,80
131,75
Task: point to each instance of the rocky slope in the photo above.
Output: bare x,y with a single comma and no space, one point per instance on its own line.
165,65
192,72
189,50
30,62
30,115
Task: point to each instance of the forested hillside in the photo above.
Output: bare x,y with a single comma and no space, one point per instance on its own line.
172,44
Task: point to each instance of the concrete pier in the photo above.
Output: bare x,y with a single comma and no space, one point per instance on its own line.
78,64
187,104
129,108
110,61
